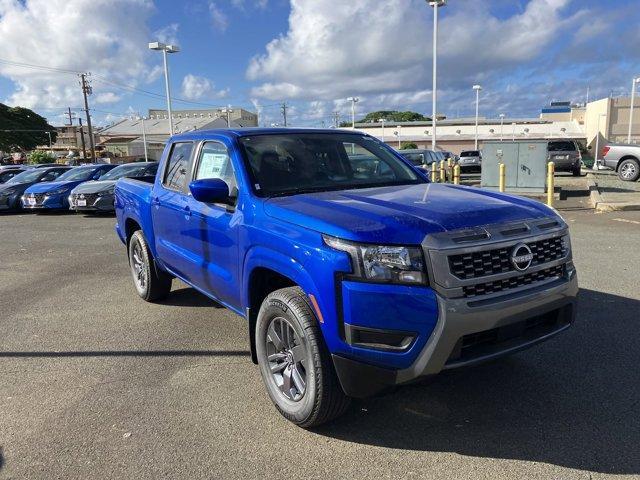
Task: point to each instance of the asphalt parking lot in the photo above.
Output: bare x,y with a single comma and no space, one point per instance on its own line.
95,383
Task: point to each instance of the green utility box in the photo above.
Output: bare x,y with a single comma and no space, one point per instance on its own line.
525,166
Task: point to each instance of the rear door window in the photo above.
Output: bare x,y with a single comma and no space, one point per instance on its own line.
177,167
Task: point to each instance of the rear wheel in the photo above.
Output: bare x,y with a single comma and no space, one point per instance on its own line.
576,171
151,283
294,362
629,170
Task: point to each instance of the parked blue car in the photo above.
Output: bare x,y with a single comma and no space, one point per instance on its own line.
354,272
11,192
54,195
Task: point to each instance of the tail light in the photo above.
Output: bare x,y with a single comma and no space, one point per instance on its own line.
605,150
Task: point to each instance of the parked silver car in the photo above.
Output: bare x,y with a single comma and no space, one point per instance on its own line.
470,161
624,159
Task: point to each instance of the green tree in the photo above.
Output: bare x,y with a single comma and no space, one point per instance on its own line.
23,129
408,146
38,156
393,116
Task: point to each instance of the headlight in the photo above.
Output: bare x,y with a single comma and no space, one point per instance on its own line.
108,191
57,191
8,191
383,263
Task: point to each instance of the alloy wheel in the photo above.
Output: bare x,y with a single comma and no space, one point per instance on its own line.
139,267
628,170
287,359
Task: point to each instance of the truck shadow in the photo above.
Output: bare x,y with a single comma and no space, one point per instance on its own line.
189,297
571,402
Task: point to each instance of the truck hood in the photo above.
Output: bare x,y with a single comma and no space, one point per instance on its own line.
393,215
49,186
94,186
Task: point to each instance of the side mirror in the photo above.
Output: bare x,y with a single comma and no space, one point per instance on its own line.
210,190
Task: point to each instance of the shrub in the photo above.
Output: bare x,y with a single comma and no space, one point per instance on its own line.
408,146
38,156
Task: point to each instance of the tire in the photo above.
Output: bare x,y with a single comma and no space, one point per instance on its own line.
294,362
151,283
577,171
629,170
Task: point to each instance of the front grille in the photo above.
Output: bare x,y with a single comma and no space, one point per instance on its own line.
513,282
491,262
89,197
39,197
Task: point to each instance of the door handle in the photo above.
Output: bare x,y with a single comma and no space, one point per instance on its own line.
155,201
187,211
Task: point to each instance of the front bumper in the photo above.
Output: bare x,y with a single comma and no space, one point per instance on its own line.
92,202
475,311
467,335
45,202
10,202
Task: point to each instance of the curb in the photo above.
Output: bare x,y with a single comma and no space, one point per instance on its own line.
600,206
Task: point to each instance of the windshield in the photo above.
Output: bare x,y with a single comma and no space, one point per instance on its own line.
77,174
28,176
561,147
315,162
125,171
470,153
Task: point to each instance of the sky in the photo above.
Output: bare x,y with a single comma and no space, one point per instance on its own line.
315,54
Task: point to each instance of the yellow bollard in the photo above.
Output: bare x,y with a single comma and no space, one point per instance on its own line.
442,172
434,178
456,175
503,177
551,170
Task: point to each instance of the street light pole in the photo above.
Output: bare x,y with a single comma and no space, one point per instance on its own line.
353,101
165,49
382,120
514,131
399,127
501,127
434,104
477,88
144,141
50,147
633,96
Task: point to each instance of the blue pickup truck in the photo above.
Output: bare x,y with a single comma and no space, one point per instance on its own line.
354,273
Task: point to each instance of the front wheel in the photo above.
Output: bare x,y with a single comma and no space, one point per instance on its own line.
151,284
629,170
294,362
577,171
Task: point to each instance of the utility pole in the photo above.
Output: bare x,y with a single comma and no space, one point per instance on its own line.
70,115
84,146
284,112
87,90
336,119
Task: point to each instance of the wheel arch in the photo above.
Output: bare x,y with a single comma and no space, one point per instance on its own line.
627,157
266,271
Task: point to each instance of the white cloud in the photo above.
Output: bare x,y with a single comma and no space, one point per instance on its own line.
334,48
218,17
154,74
107,97
168,34
196,88
105,37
